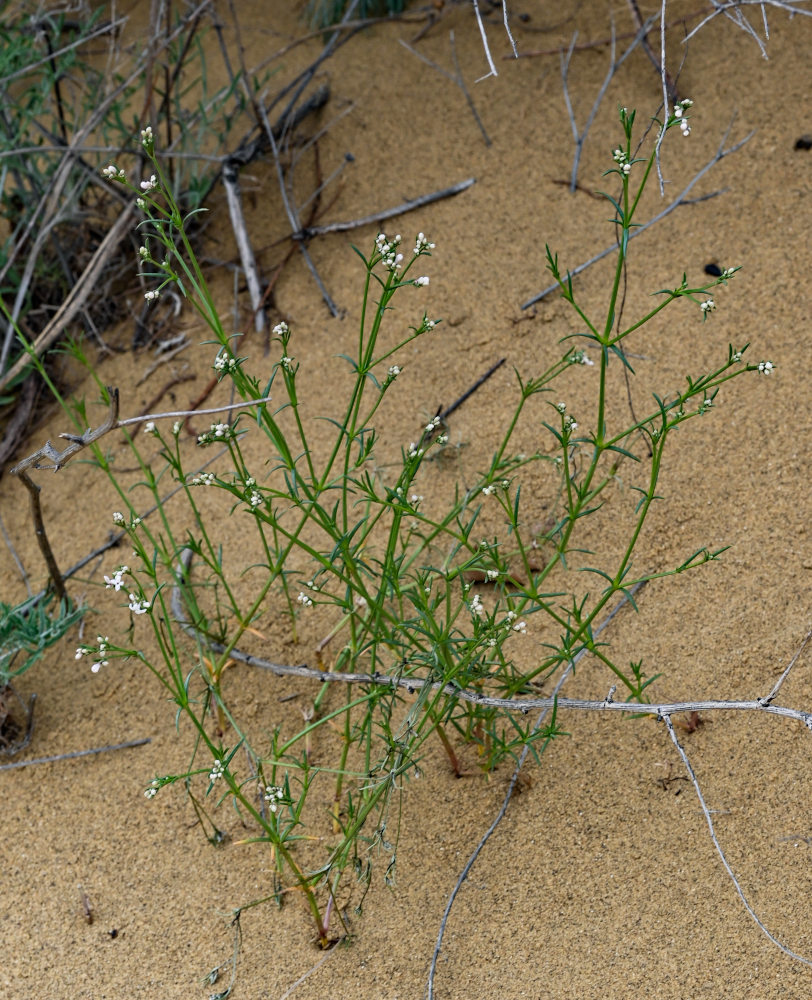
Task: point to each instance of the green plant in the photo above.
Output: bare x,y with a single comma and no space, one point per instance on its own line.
27,630
323,13
419,649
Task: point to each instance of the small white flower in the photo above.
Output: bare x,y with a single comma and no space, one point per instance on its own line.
520,627
487,490
147,137
138,606
217,770
152,296
561,407
149,185
442,439
728,273
423,280
255,499
492,574
204,479
626,168
422,244
414,451
149,427
112,173
176,427
118,517
152,791
141,203
287,363
394,371
570,424
116,581
580,358
619,155
511,617
143,253
765,367
304,600
281,329
273,796
704,406
476,606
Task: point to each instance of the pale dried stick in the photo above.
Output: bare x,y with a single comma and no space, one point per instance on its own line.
387,213
614,66
692,775
231,183
292,214
455,78
485,46
725,8
75,753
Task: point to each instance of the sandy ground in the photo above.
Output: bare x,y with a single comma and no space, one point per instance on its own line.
602,880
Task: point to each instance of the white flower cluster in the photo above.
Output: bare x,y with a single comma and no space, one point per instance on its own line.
281,329
147,138
476,607
393,373
255,499
580,358
273,796
766,367
510,621
112,173
287,364
137,605
224,362
620,158
707,307
422,245
150,184
304,600
704,406
98,651
390,259
422,281
204,479
493,487
217,432
152,296
118,519
570,424
116,581
152,791
679,112
149,428
217,771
